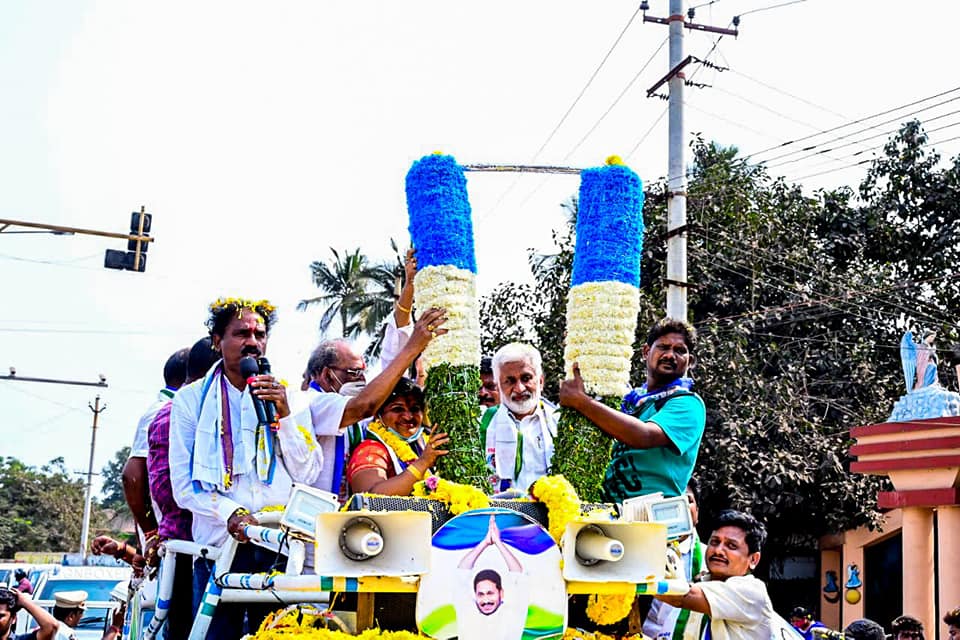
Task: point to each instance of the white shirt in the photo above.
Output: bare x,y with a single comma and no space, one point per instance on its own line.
326,411
394,339
662,618
299,455
740,608
538,430
140,447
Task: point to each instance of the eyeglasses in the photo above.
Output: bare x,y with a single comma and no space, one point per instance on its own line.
356,374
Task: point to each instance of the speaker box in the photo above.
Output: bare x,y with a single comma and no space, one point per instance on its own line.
352,544
614,551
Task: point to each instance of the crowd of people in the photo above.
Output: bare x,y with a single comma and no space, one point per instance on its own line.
204,460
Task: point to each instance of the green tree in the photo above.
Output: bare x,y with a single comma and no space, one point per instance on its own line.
112,490
358,292
40,509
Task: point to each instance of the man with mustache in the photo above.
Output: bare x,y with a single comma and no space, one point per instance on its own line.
491,611
519,438
660,425
224,465
735,603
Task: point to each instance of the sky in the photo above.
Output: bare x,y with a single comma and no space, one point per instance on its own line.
259,135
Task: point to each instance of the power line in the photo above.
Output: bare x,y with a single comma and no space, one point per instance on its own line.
847,144
849,166
857,121
789,95
616,101
778,261
874,157
586,86
775,6
647,133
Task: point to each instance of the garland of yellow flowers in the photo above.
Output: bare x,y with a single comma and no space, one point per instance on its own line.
458,497
563,507
401,447
296,624
263,307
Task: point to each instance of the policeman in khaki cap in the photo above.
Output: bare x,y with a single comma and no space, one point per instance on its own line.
68,609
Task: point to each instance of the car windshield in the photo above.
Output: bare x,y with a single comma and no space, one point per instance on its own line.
5,575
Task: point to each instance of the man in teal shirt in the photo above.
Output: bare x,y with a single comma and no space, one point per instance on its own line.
660,425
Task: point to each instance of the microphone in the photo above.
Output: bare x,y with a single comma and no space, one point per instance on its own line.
269,406
250,368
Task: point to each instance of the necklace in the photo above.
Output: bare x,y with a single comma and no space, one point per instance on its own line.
403,449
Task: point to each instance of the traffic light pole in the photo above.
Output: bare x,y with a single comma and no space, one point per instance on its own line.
5,224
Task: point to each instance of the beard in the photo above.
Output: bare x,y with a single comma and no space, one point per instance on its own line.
521,407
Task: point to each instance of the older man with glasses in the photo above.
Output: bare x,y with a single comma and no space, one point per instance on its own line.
339,395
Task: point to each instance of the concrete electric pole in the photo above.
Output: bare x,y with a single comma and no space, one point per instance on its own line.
88,497
676,279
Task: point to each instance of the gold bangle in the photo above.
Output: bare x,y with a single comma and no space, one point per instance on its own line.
403,308
416,473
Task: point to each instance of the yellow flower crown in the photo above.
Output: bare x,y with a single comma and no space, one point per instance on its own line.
263,307
236,306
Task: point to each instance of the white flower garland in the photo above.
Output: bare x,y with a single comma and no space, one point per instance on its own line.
455,290
601,320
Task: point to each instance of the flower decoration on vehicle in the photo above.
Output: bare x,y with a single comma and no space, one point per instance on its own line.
602,309
441,230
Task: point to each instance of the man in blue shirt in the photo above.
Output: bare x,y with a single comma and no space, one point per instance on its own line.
660,425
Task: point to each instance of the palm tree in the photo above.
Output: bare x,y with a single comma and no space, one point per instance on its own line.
359,293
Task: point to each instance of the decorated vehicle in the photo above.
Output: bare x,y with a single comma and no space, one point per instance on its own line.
480,566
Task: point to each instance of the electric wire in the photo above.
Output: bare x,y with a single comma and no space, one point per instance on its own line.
802,276
857,121
847,144
586,86
616,100
516,179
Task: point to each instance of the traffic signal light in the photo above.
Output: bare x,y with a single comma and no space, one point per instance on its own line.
114,259
127,260
135,230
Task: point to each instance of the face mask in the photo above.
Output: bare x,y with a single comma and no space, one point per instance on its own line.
412,438
352,389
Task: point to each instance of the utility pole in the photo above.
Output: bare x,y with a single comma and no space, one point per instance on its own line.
85,530
676,279
676,176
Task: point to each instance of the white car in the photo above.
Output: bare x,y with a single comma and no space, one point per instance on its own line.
98,582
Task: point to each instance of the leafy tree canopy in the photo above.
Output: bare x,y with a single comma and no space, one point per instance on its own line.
40,509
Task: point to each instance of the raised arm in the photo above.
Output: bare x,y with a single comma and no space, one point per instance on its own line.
376,391
494,535
625,428
48,624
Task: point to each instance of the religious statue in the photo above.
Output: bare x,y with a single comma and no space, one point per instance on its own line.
925,398
919,360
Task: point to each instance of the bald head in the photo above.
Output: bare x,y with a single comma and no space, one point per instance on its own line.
334,363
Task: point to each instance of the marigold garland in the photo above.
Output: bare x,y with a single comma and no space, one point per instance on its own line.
399,446
295,623
610,608
563,504
458,497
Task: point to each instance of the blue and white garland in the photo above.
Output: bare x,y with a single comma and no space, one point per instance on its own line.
442,232
604,295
